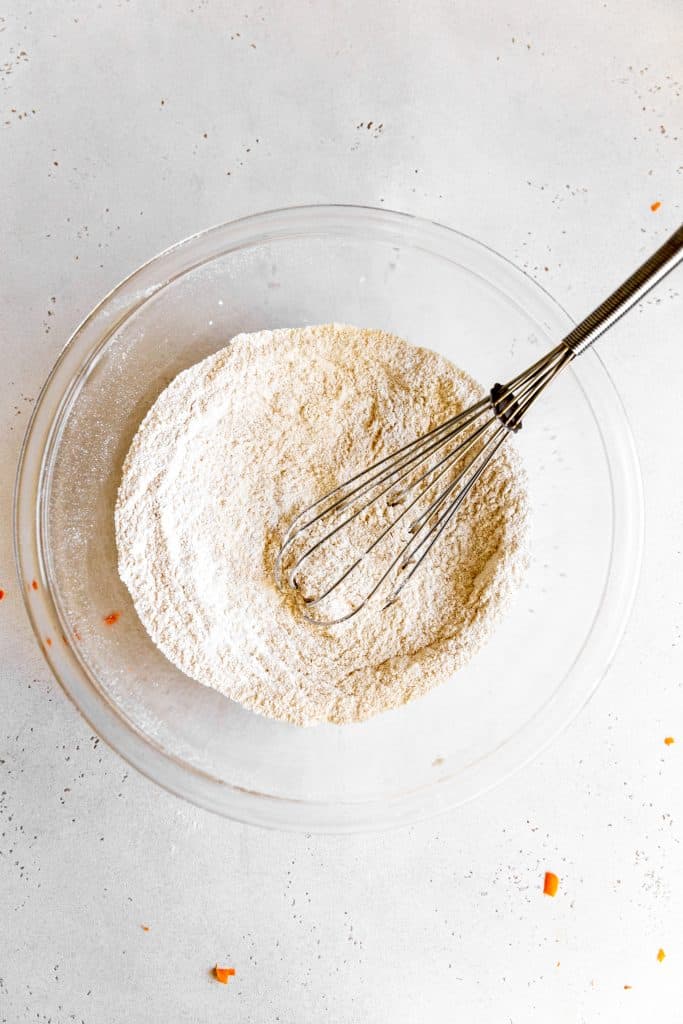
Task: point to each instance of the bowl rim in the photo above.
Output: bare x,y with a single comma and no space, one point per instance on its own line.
194,784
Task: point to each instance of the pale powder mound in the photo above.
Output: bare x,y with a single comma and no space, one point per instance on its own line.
232,450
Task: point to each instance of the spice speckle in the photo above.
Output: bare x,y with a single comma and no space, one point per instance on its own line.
34,584
112,618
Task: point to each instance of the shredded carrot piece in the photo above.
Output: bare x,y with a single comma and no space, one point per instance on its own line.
110,619
550,883
669,740
655,206
660,955
2,594
223,973
34,584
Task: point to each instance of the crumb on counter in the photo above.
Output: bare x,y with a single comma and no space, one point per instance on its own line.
222,974
550,884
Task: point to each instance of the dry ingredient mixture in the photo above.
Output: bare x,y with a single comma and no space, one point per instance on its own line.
232,450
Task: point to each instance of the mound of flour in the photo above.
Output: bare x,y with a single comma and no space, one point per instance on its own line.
232,450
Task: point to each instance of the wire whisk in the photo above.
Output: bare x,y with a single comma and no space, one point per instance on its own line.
387,518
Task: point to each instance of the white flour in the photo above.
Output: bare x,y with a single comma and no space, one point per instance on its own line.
238,444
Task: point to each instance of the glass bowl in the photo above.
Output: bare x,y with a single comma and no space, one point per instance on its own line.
310,265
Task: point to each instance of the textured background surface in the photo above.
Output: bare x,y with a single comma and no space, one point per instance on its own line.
545,131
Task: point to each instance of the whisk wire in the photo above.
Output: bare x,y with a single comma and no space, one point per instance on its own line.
443,522
347,499
506,405
470,445
387,458
448,459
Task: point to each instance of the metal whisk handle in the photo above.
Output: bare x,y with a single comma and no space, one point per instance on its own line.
626,295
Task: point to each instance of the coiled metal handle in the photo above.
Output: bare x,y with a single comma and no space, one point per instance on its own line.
626,295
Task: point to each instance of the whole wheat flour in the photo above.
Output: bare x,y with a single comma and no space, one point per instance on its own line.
232,450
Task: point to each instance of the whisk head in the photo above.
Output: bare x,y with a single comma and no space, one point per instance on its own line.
364,541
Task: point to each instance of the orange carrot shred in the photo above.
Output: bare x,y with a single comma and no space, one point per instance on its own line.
660,955
550,883
669,740
223,973
34,584
655,206
2,593
110,619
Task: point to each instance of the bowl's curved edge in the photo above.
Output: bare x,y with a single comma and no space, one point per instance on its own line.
183,779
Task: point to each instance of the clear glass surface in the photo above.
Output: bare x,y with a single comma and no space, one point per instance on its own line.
309,265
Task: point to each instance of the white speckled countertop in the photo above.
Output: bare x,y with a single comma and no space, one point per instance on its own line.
547,132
